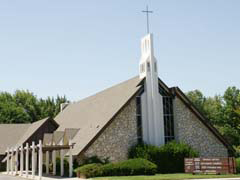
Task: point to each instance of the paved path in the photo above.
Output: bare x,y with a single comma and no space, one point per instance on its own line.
8,177
5,177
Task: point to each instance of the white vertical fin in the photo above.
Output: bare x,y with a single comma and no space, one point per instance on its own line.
152,120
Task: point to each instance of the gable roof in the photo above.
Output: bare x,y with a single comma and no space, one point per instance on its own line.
91,115
177,91
10,134
32,129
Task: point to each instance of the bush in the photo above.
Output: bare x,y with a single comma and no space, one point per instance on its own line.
143,151
130,167
125,168
95,160
169,158
89,170
238,165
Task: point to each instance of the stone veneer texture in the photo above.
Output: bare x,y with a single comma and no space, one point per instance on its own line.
117,138
190,130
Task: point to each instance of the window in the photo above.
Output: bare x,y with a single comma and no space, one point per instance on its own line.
167,115
139,116
148,66
155,67
142,68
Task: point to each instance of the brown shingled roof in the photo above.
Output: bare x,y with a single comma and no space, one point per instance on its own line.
29,132
10,134
17,134
92,114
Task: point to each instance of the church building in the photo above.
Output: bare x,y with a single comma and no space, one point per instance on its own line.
141,109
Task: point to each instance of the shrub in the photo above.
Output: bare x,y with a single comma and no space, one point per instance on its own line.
89,170
130,167
125,168
95,160
143,151
169,158
238,165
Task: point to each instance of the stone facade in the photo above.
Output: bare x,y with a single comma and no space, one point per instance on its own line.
118,137
190,130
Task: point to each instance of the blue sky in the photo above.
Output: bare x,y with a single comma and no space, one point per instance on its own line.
77,48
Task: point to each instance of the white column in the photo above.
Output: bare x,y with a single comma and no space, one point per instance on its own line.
47,162
54,162
12,161
27,159
16,161
62,162
36,160
62,159
7,160
21,161
33,159
70,159
40,159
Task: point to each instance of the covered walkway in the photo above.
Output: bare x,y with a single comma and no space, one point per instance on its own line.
28,161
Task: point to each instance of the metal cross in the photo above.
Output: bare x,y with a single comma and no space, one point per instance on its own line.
147,12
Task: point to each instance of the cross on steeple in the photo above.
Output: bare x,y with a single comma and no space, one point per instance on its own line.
147,12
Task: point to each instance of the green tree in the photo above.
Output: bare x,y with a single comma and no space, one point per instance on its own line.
231,107
222,111
198,99
230,114
25,107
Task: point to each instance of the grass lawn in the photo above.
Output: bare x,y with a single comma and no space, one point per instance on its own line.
166,177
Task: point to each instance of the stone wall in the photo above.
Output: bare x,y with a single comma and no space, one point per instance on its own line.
190,130
117,138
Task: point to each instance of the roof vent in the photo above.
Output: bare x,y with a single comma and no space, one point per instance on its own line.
63,106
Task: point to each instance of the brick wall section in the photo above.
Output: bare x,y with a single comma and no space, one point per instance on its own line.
190,130
117,138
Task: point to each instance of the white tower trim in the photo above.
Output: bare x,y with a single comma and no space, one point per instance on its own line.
152,106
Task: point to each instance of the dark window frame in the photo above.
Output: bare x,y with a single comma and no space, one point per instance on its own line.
139,115
169,134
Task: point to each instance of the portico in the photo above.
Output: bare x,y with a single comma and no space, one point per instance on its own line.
27,161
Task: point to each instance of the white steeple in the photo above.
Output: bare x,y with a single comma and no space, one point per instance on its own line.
152,106
148,60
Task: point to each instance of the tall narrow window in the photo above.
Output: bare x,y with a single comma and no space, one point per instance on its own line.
155,67
168,115
142,68
148,66
139,116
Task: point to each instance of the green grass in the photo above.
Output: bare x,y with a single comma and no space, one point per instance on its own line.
167,177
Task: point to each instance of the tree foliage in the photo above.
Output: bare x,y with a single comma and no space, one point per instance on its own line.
222,111
25,107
